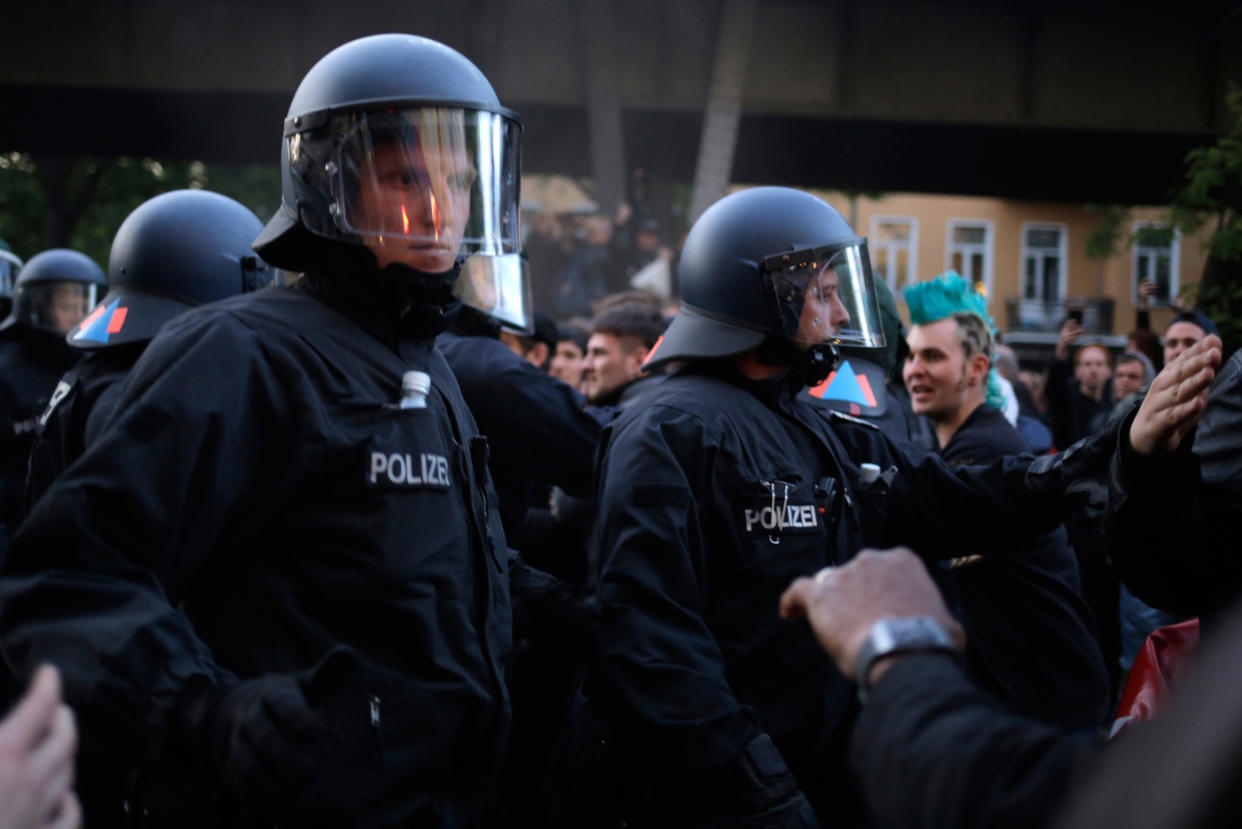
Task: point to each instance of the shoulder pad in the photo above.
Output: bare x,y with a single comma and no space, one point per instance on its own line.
857,421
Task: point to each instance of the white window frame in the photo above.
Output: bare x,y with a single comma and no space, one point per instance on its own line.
912,252
1175,259
989,243
1062,253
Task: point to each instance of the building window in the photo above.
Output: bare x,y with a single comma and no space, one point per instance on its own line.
1156,252
968,250
894,247
1043,261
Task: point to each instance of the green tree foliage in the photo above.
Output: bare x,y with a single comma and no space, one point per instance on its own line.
56,201
1212,197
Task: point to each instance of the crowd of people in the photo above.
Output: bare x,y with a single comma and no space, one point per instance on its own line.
321,523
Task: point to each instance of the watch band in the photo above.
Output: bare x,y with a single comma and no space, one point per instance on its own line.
899,635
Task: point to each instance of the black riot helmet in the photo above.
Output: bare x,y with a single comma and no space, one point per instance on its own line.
398,144
54,290
173,252
751,263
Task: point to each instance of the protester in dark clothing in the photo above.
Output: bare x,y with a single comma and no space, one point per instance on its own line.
1031,637
536,346
715,492
1174,545
173,252
930,749
621,337
566,363
274,581
53,293
1077,398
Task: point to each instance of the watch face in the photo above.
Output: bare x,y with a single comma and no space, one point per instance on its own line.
900,635
913,632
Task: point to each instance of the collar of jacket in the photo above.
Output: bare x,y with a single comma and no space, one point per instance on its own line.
777,392
395,304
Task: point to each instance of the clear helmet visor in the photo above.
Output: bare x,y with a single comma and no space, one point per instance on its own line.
499,286
825,296
423,186
56,307
9,267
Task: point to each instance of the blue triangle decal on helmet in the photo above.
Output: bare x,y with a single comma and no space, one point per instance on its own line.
95,327
845,387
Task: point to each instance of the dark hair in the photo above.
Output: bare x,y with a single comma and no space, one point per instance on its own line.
1197,318
973,334
577,331
632,319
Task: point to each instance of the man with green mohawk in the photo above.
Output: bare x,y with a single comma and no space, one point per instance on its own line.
949,372
1030,637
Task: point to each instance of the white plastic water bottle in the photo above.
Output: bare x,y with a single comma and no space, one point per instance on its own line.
414,388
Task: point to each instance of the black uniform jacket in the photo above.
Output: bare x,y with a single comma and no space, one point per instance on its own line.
537,429
257,500
715,495
29,371
82,403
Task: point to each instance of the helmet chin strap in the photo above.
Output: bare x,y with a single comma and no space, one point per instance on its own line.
420,302
817,362
814,363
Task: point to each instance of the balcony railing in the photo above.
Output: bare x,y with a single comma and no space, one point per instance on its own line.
1037,315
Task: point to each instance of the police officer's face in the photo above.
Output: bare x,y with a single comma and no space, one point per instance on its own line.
823,314
420,199
935,372
67,307
610,363
1180,336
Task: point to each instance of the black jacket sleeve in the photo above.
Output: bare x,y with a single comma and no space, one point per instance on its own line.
942,513
1171,523
93,581
931,750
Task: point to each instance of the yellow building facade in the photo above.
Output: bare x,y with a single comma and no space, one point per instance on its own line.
1030,256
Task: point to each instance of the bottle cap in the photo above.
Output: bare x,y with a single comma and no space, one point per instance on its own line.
415,383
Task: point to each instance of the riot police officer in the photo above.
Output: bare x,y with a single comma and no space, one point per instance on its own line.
276,574
52,294
172,253
705,708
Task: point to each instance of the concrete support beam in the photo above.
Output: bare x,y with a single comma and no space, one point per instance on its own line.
596,25
724,104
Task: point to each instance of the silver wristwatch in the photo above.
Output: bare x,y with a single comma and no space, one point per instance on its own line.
899,635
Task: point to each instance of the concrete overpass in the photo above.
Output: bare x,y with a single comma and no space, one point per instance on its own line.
1068,100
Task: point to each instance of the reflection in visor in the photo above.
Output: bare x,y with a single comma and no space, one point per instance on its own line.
499,286
436,174
824,295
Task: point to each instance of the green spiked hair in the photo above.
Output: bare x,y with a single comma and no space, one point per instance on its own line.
947,296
